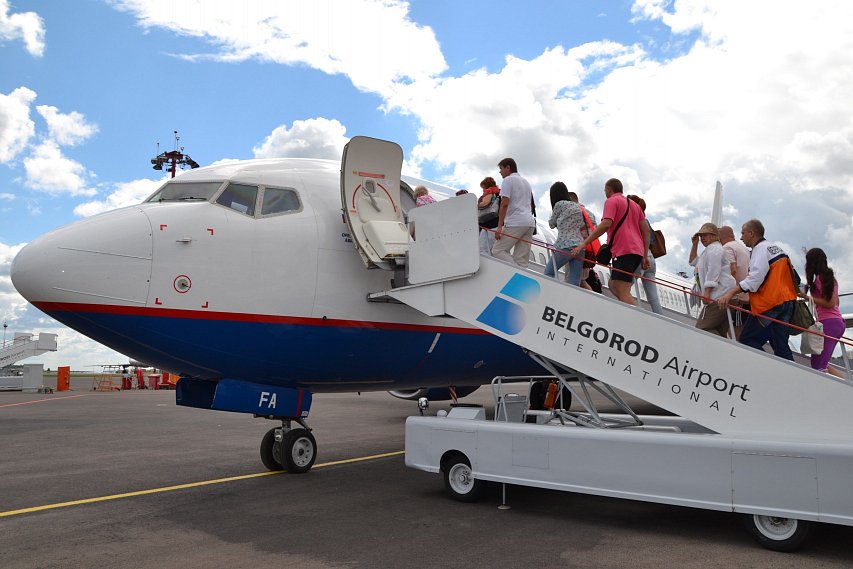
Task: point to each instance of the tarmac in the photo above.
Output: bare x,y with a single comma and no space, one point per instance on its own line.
129,479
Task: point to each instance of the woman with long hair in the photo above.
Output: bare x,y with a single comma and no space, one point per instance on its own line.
823,289
568,219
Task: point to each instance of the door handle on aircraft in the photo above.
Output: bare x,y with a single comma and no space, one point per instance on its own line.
184,240
368,189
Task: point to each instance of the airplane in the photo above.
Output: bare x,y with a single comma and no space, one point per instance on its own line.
251,280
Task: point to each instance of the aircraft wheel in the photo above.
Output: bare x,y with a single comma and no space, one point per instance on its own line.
271,452
778,534
459,480
300,450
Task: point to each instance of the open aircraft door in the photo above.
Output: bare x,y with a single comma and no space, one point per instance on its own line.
370,196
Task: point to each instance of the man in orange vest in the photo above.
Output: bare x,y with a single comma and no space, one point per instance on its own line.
771,289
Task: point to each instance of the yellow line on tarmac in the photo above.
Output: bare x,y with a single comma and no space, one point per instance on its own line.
184,486
43,400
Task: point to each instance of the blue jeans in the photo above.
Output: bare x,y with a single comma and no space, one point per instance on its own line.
649,284
561,257
757,331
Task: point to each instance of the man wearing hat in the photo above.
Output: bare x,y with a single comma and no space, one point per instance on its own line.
715,278
771,289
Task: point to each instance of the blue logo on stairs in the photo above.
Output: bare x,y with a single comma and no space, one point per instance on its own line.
505,315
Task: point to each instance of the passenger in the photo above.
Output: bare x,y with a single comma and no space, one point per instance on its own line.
648,274
568,220
589,280
516,221
490,195
628,235
821,283
715,279
771,289
461,192
739,259
422,196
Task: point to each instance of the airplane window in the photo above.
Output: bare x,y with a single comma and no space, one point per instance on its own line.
532,257
239,197
277,200
541,255
185,191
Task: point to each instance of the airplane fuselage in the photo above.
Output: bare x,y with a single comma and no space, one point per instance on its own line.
213,289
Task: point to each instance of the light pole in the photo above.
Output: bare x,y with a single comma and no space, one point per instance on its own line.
4,333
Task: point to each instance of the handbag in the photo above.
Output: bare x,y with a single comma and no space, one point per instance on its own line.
801,317
812,343
658,246
604,255
490,212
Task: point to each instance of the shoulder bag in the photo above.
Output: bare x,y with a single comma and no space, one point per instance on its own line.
604,255
801,317
812,343
490,212
658,246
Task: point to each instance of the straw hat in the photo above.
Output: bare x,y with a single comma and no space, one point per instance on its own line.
709,229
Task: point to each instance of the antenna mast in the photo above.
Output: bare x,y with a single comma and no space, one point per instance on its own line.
173,158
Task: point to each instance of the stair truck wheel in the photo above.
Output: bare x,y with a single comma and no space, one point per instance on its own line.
459,480
299,450
778,534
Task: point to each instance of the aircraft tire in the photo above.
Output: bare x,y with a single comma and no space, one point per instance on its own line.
300,451
270,453
777,533
459,481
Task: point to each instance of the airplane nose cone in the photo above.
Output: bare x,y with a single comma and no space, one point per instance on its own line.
105,259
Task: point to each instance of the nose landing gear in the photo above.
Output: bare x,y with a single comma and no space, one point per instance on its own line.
286,448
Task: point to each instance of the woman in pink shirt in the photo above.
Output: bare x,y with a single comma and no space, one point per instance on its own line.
823,287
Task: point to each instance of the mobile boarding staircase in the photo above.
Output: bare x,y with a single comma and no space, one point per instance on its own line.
754,434
24,346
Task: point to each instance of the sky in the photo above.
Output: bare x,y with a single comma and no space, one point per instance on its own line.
669,96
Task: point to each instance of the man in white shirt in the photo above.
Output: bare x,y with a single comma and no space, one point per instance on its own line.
515,218
738,256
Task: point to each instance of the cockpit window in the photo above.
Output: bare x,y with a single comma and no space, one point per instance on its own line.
278,200
239,197
185,191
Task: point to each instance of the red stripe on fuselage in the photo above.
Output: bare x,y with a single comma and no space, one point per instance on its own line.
51,307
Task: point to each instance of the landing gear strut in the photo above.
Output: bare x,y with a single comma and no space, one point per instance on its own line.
286,448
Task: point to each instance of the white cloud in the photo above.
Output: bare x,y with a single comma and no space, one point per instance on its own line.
125,194
760,101
16,127
373,42
27,26
48,170
311,138
13,303
66,129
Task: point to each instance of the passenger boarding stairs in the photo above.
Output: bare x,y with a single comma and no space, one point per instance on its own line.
714,382
25,346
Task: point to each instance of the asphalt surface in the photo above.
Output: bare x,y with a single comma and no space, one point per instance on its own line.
108,450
